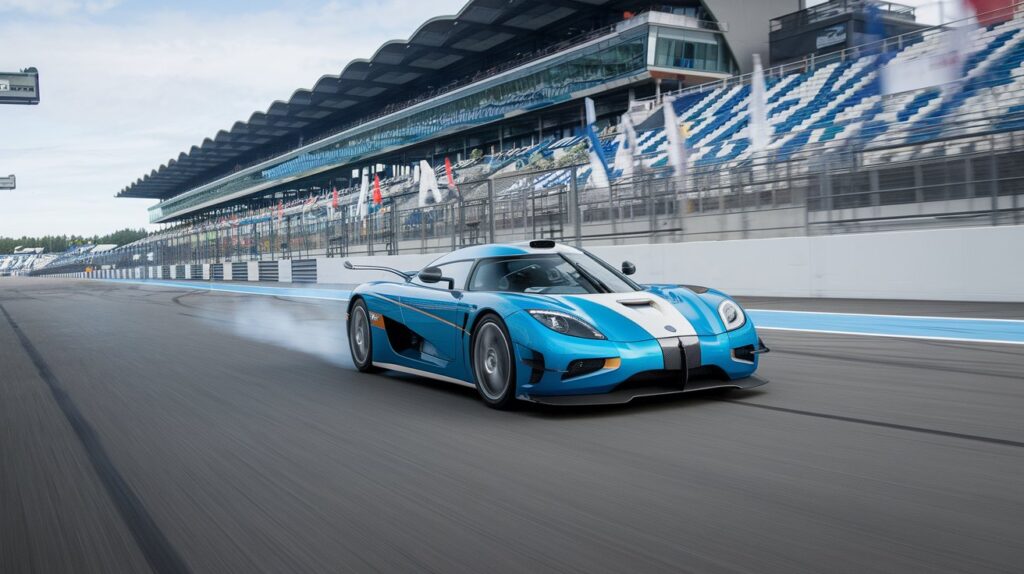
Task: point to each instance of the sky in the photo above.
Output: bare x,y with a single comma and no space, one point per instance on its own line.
127,85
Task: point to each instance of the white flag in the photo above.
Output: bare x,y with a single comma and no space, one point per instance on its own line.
627,152
428,184
630,131
362,209
940,65
591,111
676,145
760,131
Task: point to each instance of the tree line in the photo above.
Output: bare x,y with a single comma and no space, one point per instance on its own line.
59,243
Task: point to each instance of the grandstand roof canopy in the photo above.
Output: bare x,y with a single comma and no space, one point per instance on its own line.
399,69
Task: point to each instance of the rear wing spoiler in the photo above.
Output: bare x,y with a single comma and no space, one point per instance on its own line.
402,274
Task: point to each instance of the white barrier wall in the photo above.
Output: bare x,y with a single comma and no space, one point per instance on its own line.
975,264
963,264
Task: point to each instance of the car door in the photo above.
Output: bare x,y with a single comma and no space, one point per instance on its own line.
436,313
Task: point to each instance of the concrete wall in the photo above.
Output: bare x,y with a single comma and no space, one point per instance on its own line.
748,25
976,264
962,264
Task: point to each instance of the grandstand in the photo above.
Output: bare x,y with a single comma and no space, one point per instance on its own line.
82,255
23,262
842,156
839,103
495,77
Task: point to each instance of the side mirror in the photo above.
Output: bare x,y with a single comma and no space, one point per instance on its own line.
628,268
430,275
434,275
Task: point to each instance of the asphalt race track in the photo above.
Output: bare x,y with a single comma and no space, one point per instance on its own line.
175,430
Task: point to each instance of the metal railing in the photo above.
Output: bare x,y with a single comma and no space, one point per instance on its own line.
964,181
837,8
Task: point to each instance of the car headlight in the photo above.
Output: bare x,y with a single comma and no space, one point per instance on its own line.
731,314
565,324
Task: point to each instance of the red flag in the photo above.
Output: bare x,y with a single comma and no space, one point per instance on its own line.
992,11
451,175
334,198
378,198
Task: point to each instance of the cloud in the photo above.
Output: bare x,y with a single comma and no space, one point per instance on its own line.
122,94
57,7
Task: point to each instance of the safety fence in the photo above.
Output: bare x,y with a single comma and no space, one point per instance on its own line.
963,181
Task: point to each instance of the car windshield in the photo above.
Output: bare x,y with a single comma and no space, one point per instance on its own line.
612,280
557,274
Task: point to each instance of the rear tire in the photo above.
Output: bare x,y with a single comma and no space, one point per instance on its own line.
360,337
493,361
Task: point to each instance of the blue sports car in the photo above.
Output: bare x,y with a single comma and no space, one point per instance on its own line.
549,323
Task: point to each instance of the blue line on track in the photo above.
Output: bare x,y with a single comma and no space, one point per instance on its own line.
904,326
898,326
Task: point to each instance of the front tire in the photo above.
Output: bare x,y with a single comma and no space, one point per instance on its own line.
360,339
493,362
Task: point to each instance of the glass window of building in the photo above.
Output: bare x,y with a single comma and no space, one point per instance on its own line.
693,52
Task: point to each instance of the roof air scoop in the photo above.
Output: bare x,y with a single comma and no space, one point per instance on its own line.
542,244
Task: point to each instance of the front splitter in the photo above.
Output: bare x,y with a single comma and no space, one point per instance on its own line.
622,396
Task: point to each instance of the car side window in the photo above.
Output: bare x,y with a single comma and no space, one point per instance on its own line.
457,270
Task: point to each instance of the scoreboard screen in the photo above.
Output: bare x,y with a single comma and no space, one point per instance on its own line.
19,87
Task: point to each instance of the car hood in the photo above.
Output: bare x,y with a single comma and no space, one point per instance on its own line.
655,313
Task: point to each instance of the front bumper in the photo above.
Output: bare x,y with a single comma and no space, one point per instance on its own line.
631,369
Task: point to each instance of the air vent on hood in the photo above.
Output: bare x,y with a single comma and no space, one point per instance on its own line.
636,302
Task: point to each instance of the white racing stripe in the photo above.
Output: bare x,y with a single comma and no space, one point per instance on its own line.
651,312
